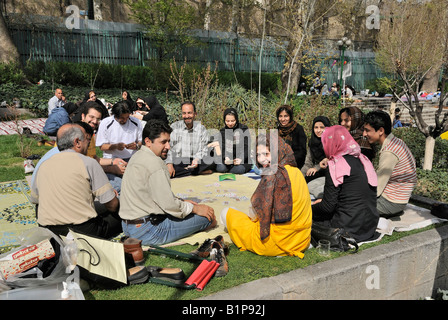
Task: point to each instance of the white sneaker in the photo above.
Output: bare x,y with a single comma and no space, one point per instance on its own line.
29,166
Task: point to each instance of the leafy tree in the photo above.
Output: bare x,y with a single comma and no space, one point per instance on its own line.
167,23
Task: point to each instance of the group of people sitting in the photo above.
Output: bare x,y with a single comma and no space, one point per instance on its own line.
129,189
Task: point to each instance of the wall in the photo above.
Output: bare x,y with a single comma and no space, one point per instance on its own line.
411,268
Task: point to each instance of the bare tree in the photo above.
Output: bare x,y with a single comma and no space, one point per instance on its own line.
406,50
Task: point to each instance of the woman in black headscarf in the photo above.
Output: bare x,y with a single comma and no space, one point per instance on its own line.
315,154
292,133
150,109
234,145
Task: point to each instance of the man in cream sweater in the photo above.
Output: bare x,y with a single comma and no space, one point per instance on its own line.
148,207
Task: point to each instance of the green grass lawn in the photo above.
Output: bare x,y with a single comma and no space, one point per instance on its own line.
244,266
11,162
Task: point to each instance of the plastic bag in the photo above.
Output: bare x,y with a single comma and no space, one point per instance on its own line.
48,271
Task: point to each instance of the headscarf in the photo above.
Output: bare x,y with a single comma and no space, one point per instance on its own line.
357,125
272,200
235,114
315,143
70,107
285,131
338,142
156,111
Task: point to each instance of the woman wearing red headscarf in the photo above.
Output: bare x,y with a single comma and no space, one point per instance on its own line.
280,222
349,199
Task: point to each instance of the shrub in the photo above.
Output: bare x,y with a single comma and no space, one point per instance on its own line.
432,184
11,73
415,140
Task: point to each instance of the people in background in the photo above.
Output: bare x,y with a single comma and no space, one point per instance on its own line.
315,153
292,133
189,141
58,100
235,145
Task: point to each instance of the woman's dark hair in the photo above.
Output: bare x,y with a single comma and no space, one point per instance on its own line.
377,119
286,108
120,108
154,128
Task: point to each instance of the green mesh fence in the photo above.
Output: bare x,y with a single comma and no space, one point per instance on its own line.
133,48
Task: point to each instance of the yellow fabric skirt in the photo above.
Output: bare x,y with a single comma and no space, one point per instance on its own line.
285,239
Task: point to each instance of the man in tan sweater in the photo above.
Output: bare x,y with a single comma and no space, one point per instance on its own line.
148,207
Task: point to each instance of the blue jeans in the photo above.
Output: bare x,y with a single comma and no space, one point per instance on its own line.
115,181
169,230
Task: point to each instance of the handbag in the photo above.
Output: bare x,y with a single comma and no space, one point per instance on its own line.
339,239
100,261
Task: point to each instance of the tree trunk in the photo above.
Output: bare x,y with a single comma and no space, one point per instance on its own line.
8,50
292,79
429,153
431,81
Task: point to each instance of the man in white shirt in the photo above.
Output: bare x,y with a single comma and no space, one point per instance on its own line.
58,100
119,136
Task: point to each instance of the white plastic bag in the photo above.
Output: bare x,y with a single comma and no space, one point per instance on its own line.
57,271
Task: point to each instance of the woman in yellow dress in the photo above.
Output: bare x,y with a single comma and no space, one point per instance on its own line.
280,221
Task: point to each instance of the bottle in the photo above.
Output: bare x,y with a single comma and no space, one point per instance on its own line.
65,293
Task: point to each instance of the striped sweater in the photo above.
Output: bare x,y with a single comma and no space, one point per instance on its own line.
403,176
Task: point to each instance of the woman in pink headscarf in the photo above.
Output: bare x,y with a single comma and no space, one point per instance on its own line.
349,199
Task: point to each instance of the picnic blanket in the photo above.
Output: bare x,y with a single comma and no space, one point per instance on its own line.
207,189
17,213
10,127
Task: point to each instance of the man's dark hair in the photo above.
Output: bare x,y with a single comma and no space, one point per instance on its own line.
87,128
91,105
377,119
154,128
188,102
120,108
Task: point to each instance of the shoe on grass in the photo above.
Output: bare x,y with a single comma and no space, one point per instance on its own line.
204,250
217,254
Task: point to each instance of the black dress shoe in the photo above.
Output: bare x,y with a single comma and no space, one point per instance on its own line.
174,275
137,275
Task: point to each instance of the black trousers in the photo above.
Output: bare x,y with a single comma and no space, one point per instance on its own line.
181,171
106,225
